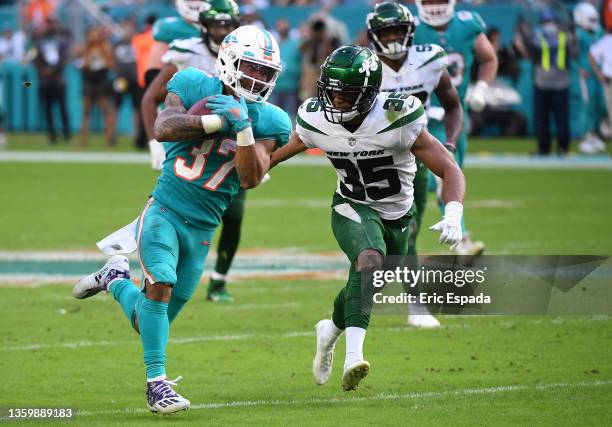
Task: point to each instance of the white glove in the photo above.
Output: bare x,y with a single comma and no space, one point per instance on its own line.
450,226
477,100
158,154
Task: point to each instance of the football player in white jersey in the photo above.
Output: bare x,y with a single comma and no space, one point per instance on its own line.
220,19
373,140
417,70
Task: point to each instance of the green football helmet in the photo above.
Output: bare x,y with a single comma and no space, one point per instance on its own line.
350,80
389,15
221,18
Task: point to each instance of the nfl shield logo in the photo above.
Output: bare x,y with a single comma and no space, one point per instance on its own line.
352,141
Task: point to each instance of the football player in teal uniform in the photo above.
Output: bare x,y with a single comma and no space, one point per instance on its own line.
221,18
209,157
587,99
462,36
166,30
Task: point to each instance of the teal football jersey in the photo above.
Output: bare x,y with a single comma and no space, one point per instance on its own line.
585,40
458,42
173,28
199,178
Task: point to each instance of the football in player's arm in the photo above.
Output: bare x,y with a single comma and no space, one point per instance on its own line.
209,157
220,19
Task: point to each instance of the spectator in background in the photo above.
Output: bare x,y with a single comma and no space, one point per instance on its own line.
51,46
286,90
142,43
601,60
606,15
317,44
126,80
250,16
37,12
98,61
12,45
550,48
507,56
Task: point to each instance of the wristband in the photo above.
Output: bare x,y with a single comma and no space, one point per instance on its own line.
211,123
453,210
244,138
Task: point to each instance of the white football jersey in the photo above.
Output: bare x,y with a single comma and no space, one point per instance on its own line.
420,73
192,52
374,164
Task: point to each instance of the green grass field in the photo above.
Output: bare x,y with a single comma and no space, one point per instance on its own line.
248,363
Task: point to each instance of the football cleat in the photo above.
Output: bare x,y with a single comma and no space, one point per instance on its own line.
423,321
162,398
419,317
469,250
354,373
324,357
117,267
217,293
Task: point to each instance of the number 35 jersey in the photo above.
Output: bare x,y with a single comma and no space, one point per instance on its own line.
374,164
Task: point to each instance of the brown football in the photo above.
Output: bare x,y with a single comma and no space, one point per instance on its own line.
199,109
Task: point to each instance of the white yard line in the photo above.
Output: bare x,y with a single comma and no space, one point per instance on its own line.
378,397
473,161
249,336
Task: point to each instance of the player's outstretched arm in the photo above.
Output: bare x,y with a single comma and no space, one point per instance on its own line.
487,70
293,147
441,162
453,112
486,57
174,124
155,94
431,152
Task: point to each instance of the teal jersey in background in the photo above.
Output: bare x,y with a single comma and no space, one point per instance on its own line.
458,42
173,28
291,59
585,40
199,178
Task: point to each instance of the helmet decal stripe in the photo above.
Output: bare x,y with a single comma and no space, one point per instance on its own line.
268,48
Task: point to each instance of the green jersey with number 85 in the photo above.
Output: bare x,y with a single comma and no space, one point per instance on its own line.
374,164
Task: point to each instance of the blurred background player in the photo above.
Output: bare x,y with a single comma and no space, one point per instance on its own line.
462,35
200,52
417,70
179,219
600,58
592,108
372,208
165,30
